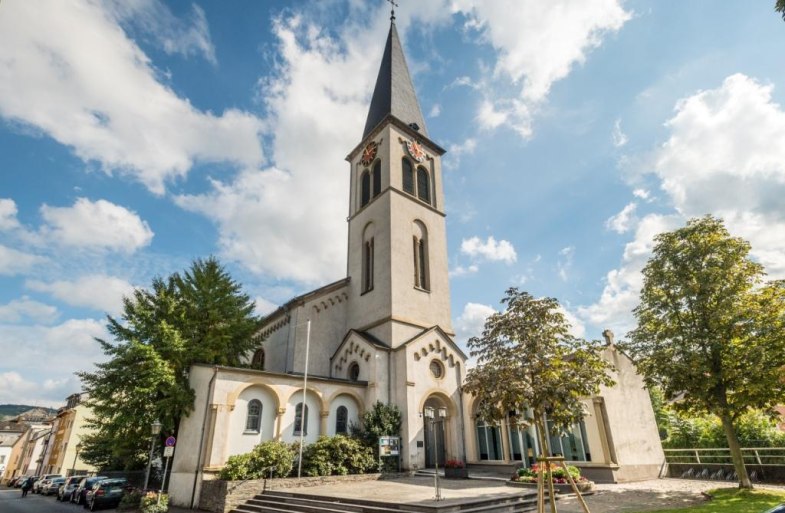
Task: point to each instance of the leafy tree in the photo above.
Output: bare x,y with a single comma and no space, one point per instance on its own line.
780,7
201,316
526,359
710,328
381,420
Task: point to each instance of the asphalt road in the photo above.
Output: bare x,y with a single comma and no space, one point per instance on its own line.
11,501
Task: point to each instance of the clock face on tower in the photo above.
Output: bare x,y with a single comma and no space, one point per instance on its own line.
415,150
369,153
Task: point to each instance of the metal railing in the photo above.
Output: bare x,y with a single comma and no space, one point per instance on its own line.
761,456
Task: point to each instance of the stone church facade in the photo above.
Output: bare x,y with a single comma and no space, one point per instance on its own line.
384,333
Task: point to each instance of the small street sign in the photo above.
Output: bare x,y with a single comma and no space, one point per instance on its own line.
170,441
168,451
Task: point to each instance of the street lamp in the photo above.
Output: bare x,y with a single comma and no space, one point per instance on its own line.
76,457
155,429
304,409
431,414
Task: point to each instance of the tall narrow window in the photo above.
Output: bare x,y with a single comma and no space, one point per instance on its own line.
408,176
377,178
420,254
258,360
368,265
300,419
341,421
253,421
423,185
366,188
423,261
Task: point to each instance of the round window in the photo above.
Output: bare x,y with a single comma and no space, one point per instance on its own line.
437,369
354,371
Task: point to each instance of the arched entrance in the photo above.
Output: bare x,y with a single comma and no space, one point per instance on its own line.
435,417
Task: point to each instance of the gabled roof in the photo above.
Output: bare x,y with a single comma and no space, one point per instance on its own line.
440,331
394,93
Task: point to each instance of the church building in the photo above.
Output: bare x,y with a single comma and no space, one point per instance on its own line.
384,333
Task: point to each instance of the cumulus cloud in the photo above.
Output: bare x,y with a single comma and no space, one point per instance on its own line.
95,225
13,262
624,220
564,262
263,306
537,43
471,322
96,291
460,270
109,106
618,137
577,327
641,193
490,249
26,309
8,212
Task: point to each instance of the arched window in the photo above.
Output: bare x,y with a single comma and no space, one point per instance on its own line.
342,420
354,371
368,265
420,254
423,185
258,360
377,178
366,188
300,420
408,176
253,420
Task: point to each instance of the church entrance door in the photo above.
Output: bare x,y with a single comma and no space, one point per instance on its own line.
434,429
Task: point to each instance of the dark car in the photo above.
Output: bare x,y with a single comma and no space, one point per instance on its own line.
776,509
85,485
107,493
68,488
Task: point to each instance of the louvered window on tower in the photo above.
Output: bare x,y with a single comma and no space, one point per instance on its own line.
368,266
366,188
408,176
423,185
377,178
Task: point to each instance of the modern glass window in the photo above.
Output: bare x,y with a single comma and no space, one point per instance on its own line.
571,443
489,441
377,178
300,419
423,185
253,420
368,265
342,420
258,360
365,185
408,176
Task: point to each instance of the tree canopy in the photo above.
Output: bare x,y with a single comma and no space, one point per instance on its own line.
527,359
710,330
201,316
780,8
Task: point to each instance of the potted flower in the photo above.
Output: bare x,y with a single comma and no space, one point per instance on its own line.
561,484
455,469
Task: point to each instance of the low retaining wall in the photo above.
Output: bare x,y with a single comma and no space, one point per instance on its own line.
223,496
765,474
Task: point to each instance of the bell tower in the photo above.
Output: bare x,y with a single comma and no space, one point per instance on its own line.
397,243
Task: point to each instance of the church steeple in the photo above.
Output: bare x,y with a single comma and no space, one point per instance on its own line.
394,93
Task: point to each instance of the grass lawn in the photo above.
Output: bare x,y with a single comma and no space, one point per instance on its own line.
732,500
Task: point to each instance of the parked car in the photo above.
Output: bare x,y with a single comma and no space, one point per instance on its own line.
67,489
43,480
52,487
777,509
20,480
85,485
107,493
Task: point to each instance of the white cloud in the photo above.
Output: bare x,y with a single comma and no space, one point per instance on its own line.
8,212
108,106
491,249
460,270
436,111
641,193
97,291
564,263
471,322
263,306
95,225
624,220
14,262
577,327
25,308
618,137
538,43
455,151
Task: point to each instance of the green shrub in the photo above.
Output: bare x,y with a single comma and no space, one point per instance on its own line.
337,455
381,420
256,464
151,503
559,474
131,500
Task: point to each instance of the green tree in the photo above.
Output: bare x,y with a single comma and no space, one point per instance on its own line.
381,420
526,359
710,328
780,8
199,317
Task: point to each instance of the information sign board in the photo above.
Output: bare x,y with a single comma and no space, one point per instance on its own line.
389,446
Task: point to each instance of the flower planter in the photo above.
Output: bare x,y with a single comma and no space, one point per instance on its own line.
456,473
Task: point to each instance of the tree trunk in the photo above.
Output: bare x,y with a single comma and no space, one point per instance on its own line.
735,450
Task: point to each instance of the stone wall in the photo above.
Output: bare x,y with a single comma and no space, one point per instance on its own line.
222,496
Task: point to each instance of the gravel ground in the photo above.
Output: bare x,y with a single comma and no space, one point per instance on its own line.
646,495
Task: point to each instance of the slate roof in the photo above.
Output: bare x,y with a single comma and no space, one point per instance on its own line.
394,93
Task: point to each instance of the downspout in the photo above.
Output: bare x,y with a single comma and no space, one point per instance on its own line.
460,405
199,462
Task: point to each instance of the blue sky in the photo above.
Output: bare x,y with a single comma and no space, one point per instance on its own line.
138,135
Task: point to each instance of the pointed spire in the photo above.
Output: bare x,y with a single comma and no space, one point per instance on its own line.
394,93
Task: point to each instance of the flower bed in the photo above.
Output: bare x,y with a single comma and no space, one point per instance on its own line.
527,477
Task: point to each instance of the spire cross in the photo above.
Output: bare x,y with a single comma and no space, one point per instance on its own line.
393,5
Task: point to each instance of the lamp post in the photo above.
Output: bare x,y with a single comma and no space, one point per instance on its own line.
155,429
431,414
304,409
76,457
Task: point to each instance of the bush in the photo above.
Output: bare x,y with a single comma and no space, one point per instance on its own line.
256,464
381,420
558,473
150,503
131,500
337,455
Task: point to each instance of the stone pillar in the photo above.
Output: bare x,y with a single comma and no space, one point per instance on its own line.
279,423
323,423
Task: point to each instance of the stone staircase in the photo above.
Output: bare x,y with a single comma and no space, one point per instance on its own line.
287,502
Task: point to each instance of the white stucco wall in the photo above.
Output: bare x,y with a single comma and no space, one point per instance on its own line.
244,441
353,412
